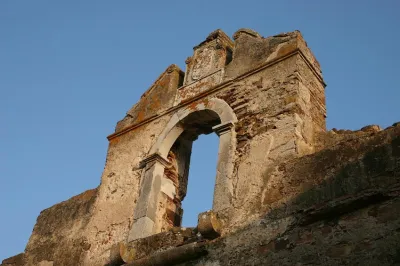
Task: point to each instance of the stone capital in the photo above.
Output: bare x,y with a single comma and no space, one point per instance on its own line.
223,128
152,158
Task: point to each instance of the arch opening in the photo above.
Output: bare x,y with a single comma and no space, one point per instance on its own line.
176,174
201,180
164,182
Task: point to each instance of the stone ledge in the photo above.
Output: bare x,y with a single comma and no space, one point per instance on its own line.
173,256
147,247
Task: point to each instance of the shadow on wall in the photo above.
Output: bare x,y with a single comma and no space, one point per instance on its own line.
339,206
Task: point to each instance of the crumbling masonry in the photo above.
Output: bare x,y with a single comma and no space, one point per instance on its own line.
287,191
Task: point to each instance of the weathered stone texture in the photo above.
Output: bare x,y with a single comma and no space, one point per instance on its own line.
335,207
287,192
141,248
270,128
158,98
209,57
17,260
118,193
57,236
252,50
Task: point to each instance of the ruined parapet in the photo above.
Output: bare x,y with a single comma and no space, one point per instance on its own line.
157,99
218,64
58,237
264,98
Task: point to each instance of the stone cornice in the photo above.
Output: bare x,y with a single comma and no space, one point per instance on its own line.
221,86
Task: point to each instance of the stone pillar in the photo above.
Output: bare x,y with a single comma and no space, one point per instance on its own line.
223,184
145,212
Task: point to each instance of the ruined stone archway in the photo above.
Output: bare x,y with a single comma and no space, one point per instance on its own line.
213,115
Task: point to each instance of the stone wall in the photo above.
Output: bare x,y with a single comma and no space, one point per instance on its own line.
338,206
57,236
286,190
118,191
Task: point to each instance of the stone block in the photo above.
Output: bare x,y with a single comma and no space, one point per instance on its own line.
144,247
209,225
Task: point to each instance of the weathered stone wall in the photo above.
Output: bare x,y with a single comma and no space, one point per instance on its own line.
338,206
119,190
57,238
266,130
83,230
285,188
157,99
259,79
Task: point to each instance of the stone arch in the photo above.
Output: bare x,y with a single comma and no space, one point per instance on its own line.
174,127
217,116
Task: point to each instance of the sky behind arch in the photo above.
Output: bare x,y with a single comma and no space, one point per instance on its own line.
69,70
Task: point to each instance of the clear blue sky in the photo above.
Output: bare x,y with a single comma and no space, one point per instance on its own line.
69,70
